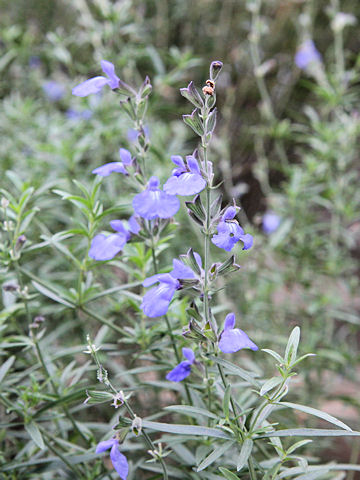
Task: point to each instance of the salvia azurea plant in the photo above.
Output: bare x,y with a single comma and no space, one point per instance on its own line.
232,424
180,404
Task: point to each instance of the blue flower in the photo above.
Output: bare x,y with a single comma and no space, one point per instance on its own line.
105,247
117,458
95,84
53,90
233,339
230,232
270,222
183,370
186,179
307,54
154,203
119,167
157,300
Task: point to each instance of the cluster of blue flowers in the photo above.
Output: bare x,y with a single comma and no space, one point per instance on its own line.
155,204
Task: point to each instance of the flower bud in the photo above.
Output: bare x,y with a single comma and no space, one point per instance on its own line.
215,69
20,242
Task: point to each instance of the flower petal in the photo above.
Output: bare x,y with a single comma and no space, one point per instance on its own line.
224,241
152,203
161,277
105,445
229,213
106,247
125,156
193,164
185,184
157,300
109,69
118,226
134,226
119,462
108,168
178,160
180,372
229,321
247,240
188,354
93,85
235,339
181,271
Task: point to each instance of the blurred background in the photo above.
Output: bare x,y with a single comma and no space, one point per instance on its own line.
286,148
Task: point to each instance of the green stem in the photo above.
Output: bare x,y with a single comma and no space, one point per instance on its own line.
132,416
169,329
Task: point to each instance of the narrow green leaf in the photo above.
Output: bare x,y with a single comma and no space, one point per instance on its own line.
312,475
186,429
192,411
316,413
214,455
5,367
309,432
227,474
273,354
245,452
297,445
235,370
34,432
50,294
290,472
270,384
292,346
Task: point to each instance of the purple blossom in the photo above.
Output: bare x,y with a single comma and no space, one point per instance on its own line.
106,247
307,54
95,84
183,370
53,90
233,339
153,202
270,222
186,179
230,232
117,458
157,300
119,167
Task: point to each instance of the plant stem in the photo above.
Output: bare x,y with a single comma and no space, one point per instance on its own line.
132,416
169,329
